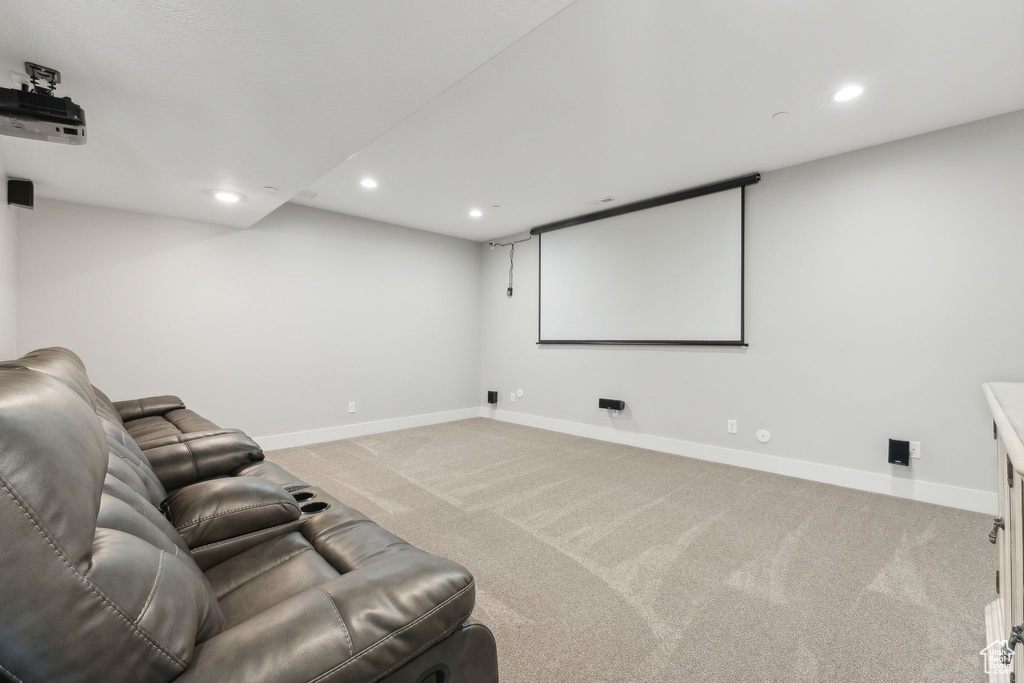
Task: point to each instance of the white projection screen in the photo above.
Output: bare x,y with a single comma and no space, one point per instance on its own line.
669,275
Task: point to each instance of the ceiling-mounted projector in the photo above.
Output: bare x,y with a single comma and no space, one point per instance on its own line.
36,113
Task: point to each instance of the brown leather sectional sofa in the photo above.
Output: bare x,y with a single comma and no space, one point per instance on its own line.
141,542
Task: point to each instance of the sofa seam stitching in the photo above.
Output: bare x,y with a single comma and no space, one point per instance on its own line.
186,436
234,510
152,591
195,470
132,465
393,634
344,626
103,598
208,434
9,673
143,501
235,538
173,423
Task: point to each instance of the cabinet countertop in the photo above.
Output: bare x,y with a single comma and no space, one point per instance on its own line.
1006,400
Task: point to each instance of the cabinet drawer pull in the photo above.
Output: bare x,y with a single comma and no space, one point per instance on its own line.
997,524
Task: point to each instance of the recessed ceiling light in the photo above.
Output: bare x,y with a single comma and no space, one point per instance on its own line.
228,197
476,213
847,93
368,183
268,188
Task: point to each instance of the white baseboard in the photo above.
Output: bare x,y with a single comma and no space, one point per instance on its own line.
291,439
926,491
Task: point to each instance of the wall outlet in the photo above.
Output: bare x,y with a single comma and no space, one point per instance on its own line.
732,426
352,407
915,449
512,397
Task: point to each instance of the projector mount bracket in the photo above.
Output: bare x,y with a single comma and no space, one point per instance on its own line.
37,73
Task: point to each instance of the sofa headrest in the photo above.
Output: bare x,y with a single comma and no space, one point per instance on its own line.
62,364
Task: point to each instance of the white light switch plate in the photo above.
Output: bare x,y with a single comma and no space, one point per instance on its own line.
352,407
512,397
915,449
731,426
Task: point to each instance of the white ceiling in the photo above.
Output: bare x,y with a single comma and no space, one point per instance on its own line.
183,97
635,99
536,105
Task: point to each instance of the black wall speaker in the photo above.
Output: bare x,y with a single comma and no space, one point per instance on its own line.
899,452
492,396
20,193
611,403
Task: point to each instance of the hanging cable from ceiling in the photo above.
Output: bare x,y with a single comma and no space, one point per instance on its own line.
511,258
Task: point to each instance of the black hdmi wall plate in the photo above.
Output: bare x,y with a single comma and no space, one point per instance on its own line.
899,452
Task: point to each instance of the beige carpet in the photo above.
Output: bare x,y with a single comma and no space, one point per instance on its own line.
600,562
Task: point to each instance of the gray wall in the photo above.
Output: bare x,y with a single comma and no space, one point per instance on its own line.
272,329
883,287
8,272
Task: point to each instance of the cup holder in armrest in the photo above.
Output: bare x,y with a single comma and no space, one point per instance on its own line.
314,507
303,495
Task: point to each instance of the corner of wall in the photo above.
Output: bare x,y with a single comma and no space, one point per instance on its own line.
8,272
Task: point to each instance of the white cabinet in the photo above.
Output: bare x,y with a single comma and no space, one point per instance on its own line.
1007,403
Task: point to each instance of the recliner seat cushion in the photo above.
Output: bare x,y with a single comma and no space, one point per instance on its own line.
196,457
174,423
341,581
268,574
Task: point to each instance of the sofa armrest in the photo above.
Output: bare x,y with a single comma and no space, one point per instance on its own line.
139,408
358,627
218,509
196,458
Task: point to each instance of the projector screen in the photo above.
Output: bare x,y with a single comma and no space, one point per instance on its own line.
671,274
